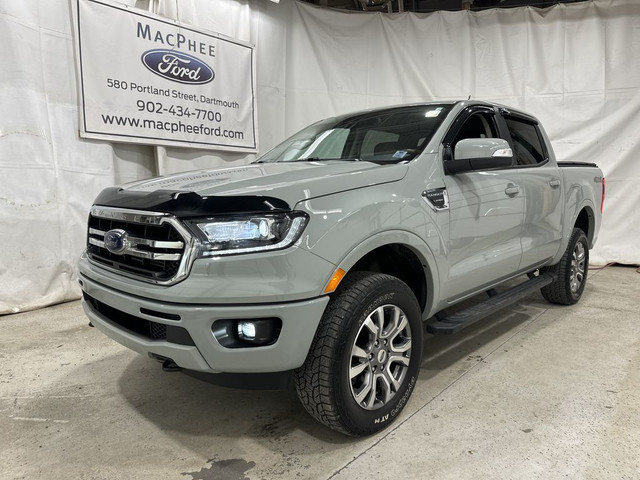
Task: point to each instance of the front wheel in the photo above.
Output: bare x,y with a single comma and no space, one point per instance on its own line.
571,272
364,360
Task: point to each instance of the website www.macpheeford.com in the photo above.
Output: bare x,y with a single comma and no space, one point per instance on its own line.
171,126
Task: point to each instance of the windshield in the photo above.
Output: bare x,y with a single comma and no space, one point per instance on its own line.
387,136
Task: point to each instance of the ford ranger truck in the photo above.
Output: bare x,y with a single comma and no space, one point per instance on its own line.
327,259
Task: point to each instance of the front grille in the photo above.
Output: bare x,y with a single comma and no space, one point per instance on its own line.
140,326
154,250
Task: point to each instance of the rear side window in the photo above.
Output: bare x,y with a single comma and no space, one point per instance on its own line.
527,142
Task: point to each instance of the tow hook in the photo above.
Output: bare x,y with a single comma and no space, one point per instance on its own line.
170,366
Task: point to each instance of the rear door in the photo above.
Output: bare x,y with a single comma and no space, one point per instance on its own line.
542,190
486,211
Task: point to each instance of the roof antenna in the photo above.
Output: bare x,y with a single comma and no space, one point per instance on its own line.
469,97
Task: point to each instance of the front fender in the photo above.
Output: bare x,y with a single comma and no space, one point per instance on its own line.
343,228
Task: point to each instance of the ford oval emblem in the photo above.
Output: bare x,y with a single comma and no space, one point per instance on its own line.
177,66
116,241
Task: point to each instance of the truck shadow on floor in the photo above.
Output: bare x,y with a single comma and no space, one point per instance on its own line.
201,414
441,352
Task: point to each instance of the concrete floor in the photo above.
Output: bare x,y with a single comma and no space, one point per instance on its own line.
537,392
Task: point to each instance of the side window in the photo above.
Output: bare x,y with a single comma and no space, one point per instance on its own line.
478,125
527,143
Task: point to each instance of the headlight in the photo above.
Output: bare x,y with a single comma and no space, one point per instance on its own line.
234,235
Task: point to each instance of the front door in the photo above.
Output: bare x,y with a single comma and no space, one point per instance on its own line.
486,212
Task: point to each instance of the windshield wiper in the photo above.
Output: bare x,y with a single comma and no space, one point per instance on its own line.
308,159
318,159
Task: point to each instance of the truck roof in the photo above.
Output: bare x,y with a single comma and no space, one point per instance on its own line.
462,104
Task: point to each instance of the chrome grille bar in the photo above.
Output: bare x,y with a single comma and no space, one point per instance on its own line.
134,252
142,241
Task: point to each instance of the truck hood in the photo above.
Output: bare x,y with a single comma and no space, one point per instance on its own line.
290,182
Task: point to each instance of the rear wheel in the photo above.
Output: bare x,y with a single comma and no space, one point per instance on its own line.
571,272
364,360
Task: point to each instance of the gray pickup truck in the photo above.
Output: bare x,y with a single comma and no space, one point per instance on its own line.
326,259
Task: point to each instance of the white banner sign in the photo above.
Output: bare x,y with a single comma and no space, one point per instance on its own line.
147,79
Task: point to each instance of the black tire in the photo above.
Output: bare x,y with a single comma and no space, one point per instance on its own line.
347,356
571,271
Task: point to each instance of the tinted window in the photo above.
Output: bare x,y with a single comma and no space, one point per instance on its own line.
377,142
527,143
384,136
478,125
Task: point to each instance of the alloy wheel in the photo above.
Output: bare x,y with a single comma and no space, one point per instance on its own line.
380,357
578,265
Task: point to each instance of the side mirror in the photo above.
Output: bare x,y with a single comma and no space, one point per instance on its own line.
477,154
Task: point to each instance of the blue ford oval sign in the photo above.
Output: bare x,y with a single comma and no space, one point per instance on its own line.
116,241
177,66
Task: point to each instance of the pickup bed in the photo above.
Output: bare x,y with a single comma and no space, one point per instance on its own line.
327,258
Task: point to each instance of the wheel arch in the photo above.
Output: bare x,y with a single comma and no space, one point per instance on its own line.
402,255
586,221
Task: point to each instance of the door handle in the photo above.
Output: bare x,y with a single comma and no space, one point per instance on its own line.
512,190
555,183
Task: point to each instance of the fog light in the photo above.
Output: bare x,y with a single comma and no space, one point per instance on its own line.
250,332
259,331
247,331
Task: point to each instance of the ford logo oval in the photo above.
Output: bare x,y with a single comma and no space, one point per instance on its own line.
177,66
116,241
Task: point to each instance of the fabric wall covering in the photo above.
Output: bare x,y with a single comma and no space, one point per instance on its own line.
574,66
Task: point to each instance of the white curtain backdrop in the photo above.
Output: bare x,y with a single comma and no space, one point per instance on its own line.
575,66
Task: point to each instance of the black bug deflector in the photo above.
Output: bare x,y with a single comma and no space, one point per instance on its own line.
188,204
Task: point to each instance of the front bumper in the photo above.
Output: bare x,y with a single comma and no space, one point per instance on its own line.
202,352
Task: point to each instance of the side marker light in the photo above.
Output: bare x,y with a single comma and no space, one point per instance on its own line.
335,281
